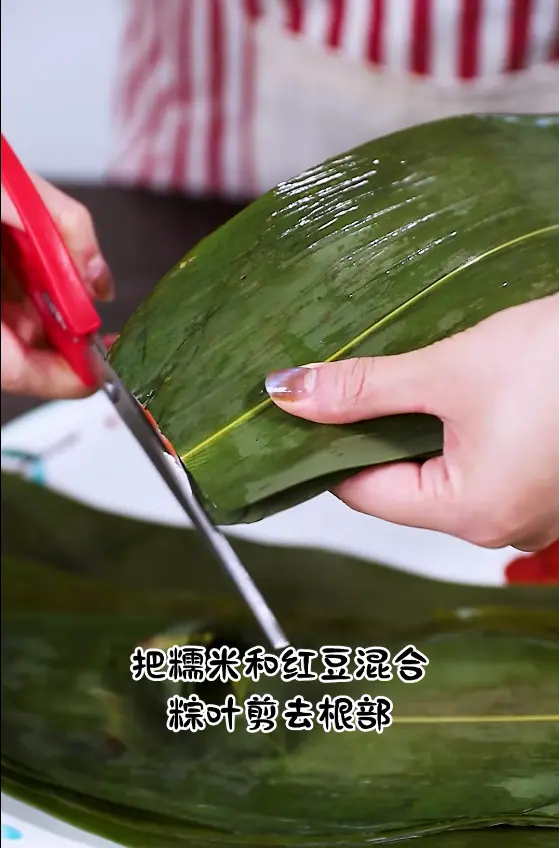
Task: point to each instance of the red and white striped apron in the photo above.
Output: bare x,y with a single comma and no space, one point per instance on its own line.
230,97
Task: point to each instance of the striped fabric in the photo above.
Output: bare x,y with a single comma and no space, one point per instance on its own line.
189,69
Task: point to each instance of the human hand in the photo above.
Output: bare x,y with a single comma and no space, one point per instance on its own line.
496,389
29,366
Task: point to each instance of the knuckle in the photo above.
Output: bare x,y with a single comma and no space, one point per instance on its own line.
351,382
493,525
538,540
13,377
76,220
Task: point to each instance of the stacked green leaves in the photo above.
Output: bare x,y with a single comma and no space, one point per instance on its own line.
474,744
385,249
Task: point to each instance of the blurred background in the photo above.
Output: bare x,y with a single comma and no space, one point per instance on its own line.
58,65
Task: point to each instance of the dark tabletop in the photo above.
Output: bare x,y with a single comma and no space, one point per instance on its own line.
142,235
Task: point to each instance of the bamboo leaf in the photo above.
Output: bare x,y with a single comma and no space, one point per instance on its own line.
475,744
385,249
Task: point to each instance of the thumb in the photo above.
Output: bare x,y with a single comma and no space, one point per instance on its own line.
357,389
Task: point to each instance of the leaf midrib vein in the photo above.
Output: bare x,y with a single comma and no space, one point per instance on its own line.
364,334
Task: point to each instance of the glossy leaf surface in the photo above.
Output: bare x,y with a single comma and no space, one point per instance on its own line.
388,248
474,743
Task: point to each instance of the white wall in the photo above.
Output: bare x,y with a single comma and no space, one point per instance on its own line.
58,62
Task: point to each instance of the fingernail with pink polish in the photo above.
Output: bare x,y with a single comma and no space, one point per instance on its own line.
99,278
292,384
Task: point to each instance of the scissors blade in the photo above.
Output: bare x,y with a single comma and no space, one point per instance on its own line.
179,481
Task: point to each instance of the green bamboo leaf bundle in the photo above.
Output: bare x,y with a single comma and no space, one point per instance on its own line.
382,250
474,744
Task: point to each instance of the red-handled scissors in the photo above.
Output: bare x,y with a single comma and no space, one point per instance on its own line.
38,257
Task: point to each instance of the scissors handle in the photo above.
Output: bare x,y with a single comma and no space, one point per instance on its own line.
39,259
